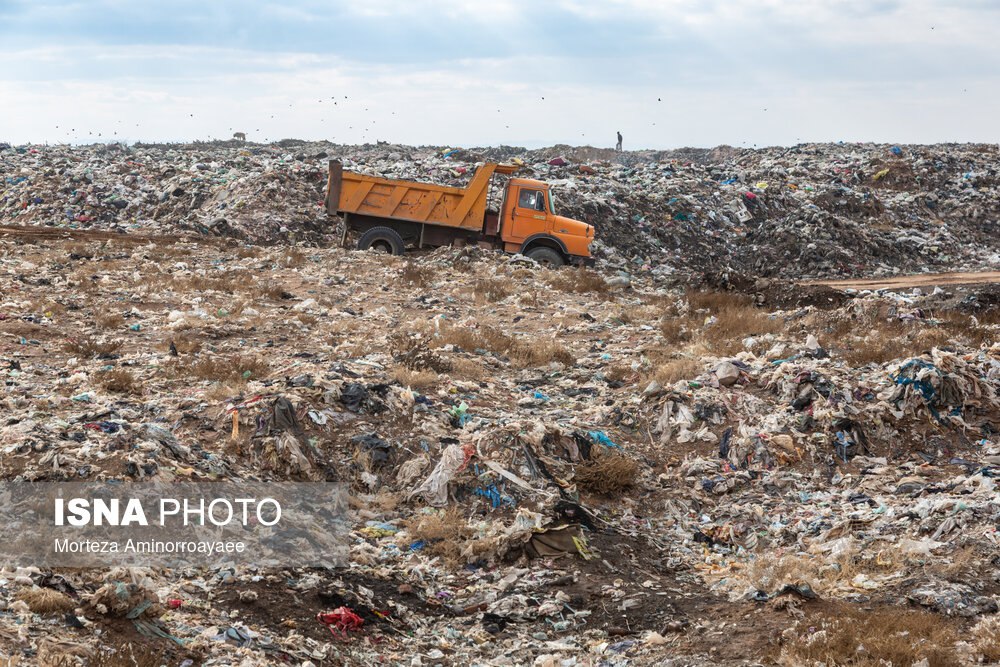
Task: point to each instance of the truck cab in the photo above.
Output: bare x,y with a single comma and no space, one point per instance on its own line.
529,225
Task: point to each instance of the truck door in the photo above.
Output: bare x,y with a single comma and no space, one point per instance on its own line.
528,214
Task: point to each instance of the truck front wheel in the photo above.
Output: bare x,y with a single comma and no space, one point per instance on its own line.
547,257
382,239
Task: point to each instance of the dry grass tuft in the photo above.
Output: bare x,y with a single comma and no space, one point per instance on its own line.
540,353
269,289
414,379
677,330
620,374
120,381
80,249
185,344
129,655
445,532
416,275
736,318
291,258
46,601
108,320
467,369
986,639
490,290
223,392
885,340
89,347
247,251
530,299
412,351
606,473
580,281
225,281
675,370
228,370
872,639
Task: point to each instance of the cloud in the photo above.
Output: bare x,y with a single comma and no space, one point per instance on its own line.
429,71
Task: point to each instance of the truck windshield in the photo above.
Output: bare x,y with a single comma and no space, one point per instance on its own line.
552,203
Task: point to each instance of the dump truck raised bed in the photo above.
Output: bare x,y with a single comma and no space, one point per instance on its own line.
392,215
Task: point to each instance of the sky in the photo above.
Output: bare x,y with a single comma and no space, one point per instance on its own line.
666,73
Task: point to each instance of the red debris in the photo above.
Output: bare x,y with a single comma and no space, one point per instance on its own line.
340,621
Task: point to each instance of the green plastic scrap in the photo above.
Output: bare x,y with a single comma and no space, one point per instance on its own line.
152,630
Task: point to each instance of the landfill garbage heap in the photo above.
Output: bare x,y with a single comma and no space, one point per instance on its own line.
547,468
813,210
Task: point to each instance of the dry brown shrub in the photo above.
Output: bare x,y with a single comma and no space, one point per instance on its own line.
465,338
416,275
269,289
606,473
89,347
120,381
714,301
873,350
306,318
733,325
961,327
676,369
81,250
769,574
129,655
412,351
959,566
490,290
873,639
620,374
677,330
882,341
46,600
221,392
623,316
49,307
467,369
109,320
536,352
247,252
540,352
736,318
232,369
415,379
292,258
185,344
530,299
580,281
986,639
445,533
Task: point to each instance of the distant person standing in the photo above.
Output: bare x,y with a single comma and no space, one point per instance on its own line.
618,146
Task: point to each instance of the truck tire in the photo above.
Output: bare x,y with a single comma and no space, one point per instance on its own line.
547,257
384,239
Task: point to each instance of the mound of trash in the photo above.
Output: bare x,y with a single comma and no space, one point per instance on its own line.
813,210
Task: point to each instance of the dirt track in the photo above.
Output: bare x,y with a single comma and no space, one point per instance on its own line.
920,280
96,235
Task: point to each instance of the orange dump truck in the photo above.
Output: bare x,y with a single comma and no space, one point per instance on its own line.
392,215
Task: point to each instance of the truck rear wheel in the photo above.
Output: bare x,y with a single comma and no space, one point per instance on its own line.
547,257
382,239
